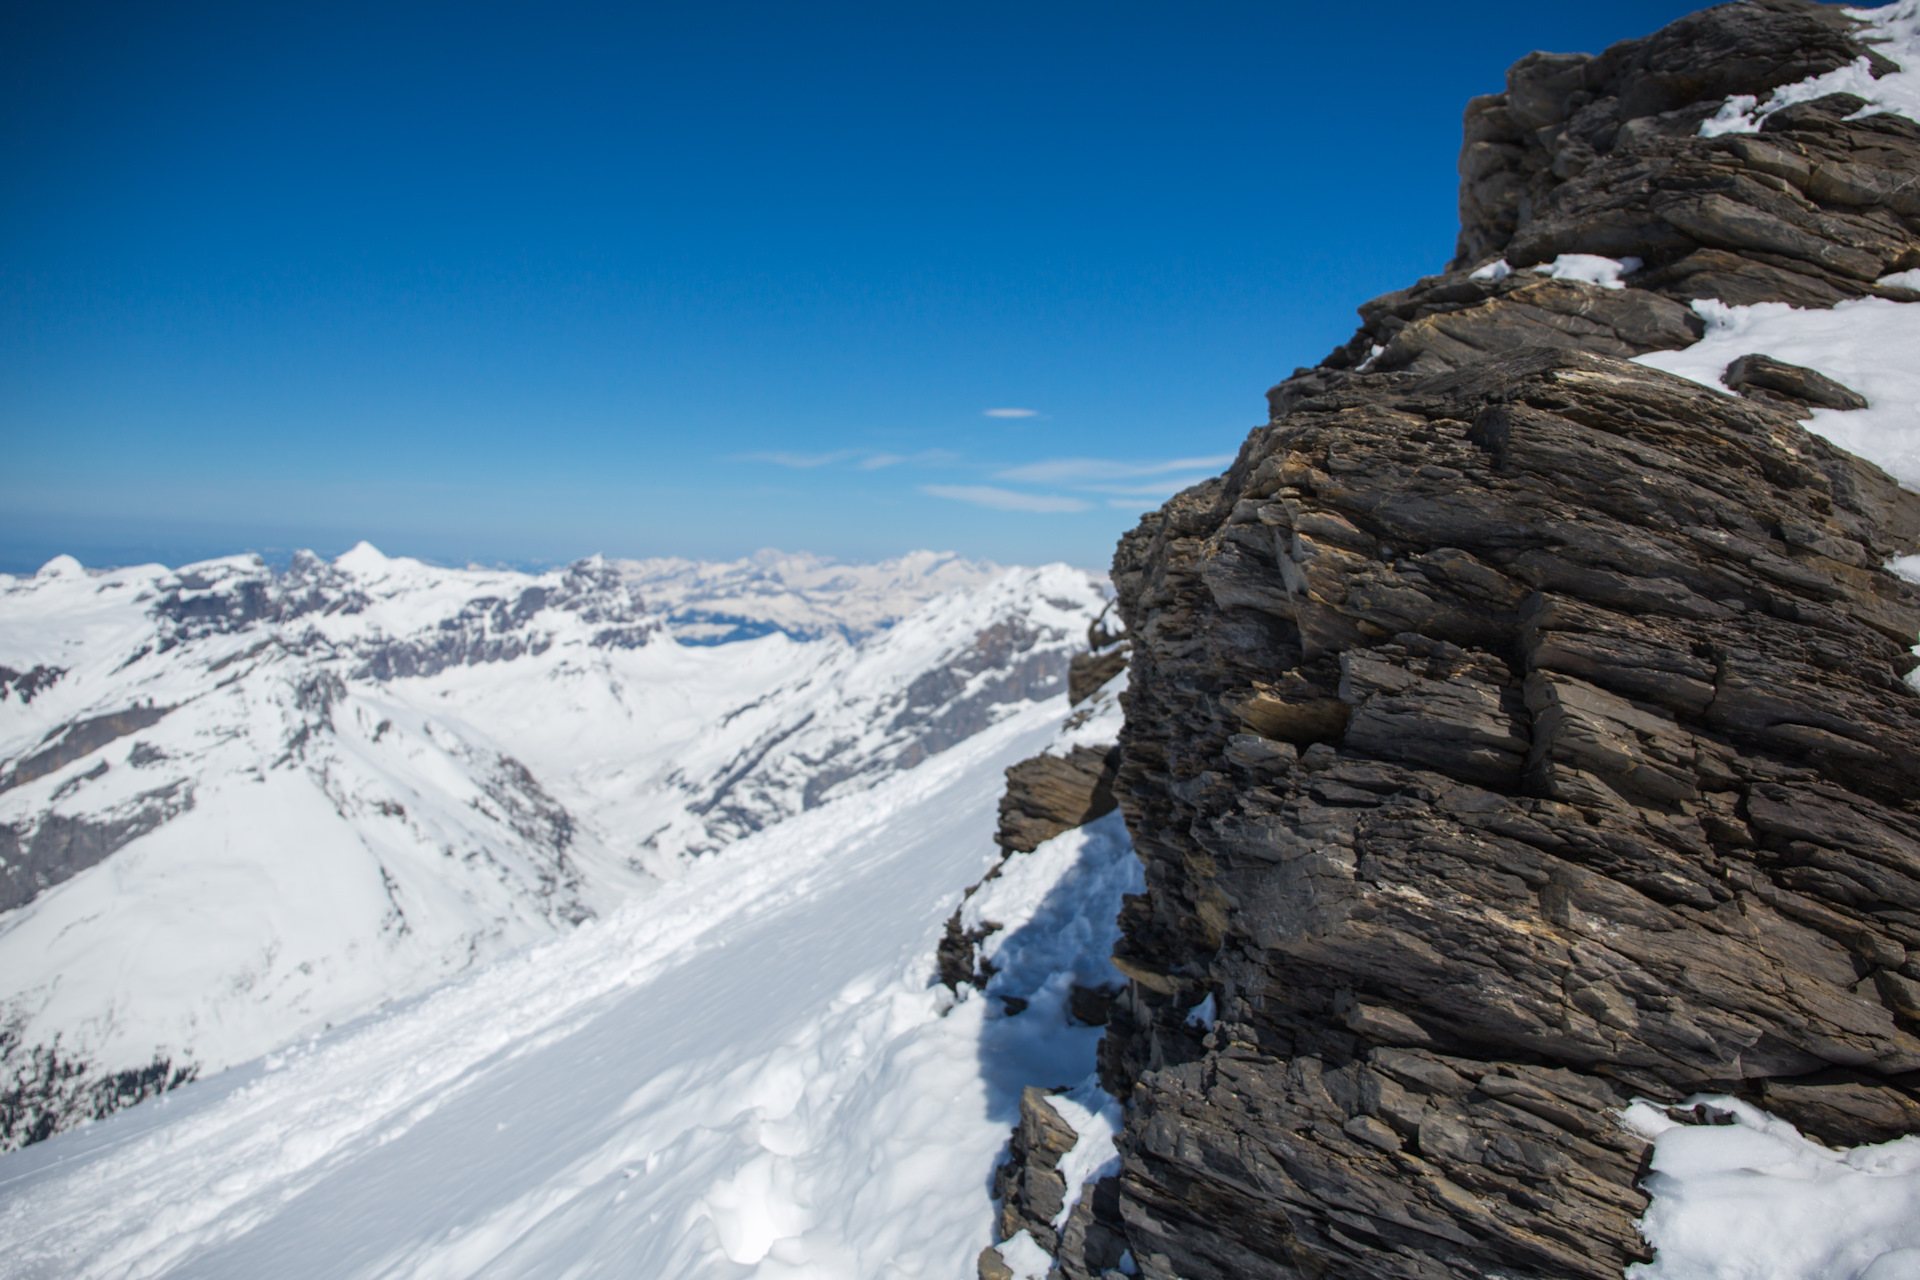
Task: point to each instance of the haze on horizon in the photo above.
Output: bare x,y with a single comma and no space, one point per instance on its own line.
501,283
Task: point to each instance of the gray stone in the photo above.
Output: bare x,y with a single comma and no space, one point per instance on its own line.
1792,387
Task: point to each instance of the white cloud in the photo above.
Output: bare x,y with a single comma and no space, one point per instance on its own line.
1072,470
1157,491
879,460
802,461
981,495
1011,413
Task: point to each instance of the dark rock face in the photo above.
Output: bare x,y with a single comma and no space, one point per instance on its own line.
1790,388
25,684
70,742
1515,731
1622,803
1589,154
1047,795
1032,1193
1088,671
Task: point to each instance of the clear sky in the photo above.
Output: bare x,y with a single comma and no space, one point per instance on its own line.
524,282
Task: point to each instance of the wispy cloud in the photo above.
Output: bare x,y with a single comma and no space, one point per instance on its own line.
1082,470
982,495
800,461
1011,413
1157,491
860,458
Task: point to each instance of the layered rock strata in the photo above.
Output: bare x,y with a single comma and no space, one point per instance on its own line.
1515,730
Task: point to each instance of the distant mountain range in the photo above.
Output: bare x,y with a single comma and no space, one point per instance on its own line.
239,805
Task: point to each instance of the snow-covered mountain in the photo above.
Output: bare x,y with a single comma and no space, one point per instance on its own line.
236,806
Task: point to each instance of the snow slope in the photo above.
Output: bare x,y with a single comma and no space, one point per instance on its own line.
751,1072
243,806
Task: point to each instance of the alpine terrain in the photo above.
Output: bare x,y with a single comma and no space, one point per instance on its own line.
1480,838
241,805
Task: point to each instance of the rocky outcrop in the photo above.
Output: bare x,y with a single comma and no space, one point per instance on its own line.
1602,155
1515,730
1594,778
73,741
1032,1196
25,684
1790,388
1049,794
1105,658
1586,154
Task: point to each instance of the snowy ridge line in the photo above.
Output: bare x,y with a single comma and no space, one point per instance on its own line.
804,596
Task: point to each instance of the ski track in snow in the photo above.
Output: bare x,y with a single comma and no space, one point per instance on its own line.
746,1073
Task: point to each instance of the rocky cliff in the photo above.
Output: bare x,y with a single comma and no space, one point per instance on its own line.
1515,730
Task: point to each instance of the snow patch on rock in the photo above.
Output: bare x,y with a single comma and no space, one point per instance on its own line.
1894,31
1867,344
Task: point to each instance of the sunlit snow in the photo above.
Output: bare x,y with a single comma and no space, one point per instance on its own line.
1753,1200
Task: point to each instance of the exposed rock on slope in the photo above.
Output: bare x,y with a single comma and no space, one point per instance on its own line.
1511,737
1602,156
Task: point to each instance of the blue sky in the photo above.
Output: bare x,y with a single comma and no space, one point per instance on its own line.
521,283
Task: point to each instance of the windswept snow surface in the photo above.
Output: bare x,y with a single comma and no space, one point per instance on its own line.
1893,31
1753,1200
1868,344
750,1073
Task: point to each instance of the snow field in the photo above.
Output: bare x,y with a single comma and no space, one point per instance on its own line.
748,1073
